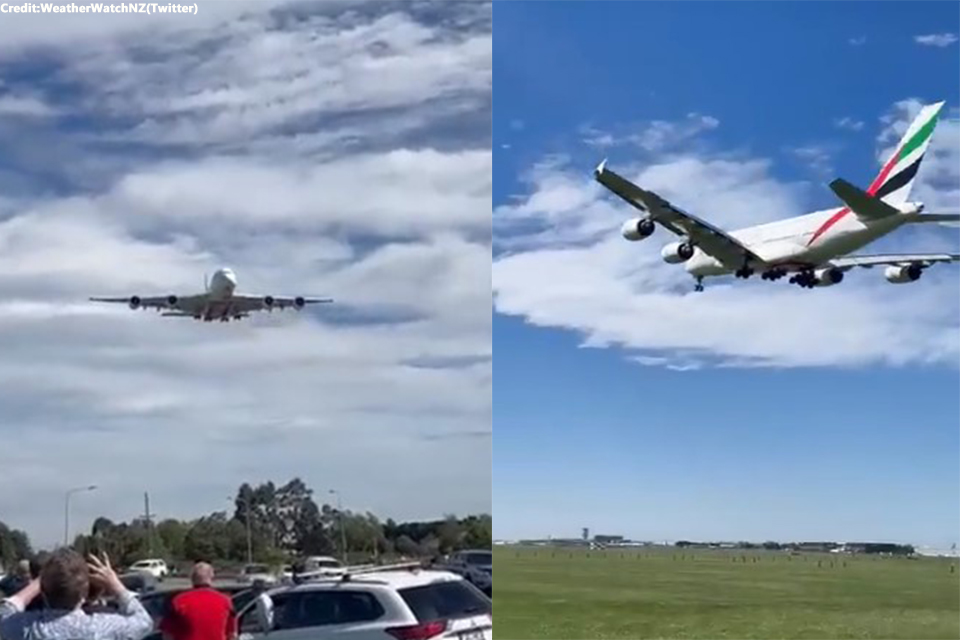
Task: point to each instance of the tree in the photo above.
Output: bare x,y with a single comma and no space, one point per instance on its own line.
14,545
407,546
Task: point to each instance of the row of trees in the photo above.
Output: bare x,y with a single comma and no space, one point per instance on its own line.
273,524
14,545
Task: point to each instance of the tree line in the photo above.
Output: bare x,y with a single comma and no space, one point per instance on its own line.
273,524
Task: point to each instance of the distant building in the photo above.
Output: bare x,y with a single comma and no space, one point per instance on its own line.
608,539
586,534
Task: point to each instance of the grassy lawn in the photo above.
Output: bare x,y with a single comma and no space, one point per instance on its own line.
561,594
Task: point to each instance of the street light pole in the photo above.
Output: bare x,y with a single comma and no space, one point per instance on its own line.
66,510
343,532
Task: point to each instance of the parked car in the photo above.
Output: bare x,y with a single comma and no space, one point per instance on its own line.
157,568
476,565
252,573
373,605
159,603
139,582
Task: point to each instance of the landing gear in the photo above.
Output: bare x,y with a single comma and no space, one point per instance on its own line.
804,279
699,286
743,272
773,274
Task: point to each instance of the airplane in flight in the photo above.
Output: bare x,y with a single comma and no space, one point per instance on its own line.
815,247
218,302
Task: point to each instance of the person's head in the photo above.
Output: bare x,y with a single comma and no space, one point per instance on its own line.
202,575
64,580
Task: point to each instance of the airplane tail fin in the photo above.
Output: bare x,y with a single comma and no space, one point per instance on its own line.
895,180
206,283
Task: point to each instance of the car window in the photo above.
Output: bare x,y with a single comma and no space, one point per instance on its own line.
446,600
480,558
322,608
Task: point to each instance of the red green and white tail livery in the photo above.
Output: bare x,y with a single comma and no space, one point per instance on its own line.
814,249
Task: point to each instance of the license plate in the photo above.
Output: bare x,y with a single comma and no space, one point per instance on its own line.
473,634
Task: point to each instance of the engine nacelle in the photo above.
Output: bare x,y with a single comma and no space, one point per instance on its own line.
134,302
677,252
268,301
299,301
172,301
899,275
637,229
828,277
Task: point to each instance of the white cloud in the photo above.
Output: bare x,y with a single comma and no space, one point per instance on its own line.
13,105
849,123
661,134
377,193
936,39
561,263
858,41
816,157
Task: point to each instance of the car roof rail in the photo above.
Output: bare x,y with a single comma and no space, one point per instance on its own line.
348,573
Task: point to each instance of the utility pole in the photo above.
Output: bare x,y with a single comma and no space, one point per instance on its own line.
343,532
249,535
146,515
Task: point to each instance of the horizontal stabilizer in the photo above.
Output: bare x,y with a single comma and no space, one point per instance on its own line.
946,219
863,205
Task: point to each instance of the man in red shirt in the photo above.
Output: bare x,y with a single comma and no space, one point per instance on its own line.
202,613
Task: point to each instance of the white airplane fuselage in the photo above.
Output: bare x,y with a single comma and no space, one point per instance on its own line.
222,285
804,241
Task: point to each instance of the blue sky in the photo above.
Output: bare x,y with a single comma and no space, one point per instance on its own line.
318,148
754,411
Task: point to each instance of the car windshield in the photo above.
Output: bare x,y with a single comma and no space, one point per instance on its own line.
328,564
256,568
480,558
142,563
446,601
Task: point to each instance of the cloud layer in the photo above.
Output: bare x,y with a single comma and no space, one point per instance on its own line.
561,263
325,149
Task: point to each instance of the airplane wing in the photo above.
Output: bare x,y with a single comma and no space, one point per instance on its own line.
712,240
250,303
189,305
895,259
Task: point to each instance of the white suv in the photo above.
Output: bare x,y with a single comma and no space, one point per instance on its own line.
157,568
372,605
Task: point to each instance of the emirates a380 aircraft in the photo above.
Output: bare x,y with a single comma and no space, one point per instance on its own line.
815,247
219,302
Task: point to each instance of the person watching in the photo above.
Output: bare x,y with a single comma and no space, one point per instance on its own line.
202,613
64,585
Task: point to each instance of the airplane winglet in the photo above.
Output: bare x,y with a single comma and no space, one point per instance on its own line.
600,167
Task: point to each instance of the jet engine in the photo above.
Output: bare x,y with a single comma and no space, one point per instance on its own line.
677,252
899,275
637,229
828,277
299,301
134,302
172,301
268,301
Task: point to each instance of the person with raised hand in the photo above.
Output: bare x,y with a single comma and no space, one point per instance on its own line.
64,584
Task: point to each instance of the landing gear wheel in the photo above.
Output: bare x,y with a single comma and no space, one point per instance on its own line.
699,286
744,272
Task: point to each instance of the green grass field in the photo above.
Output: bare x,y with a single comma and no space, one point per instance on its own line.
562,594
